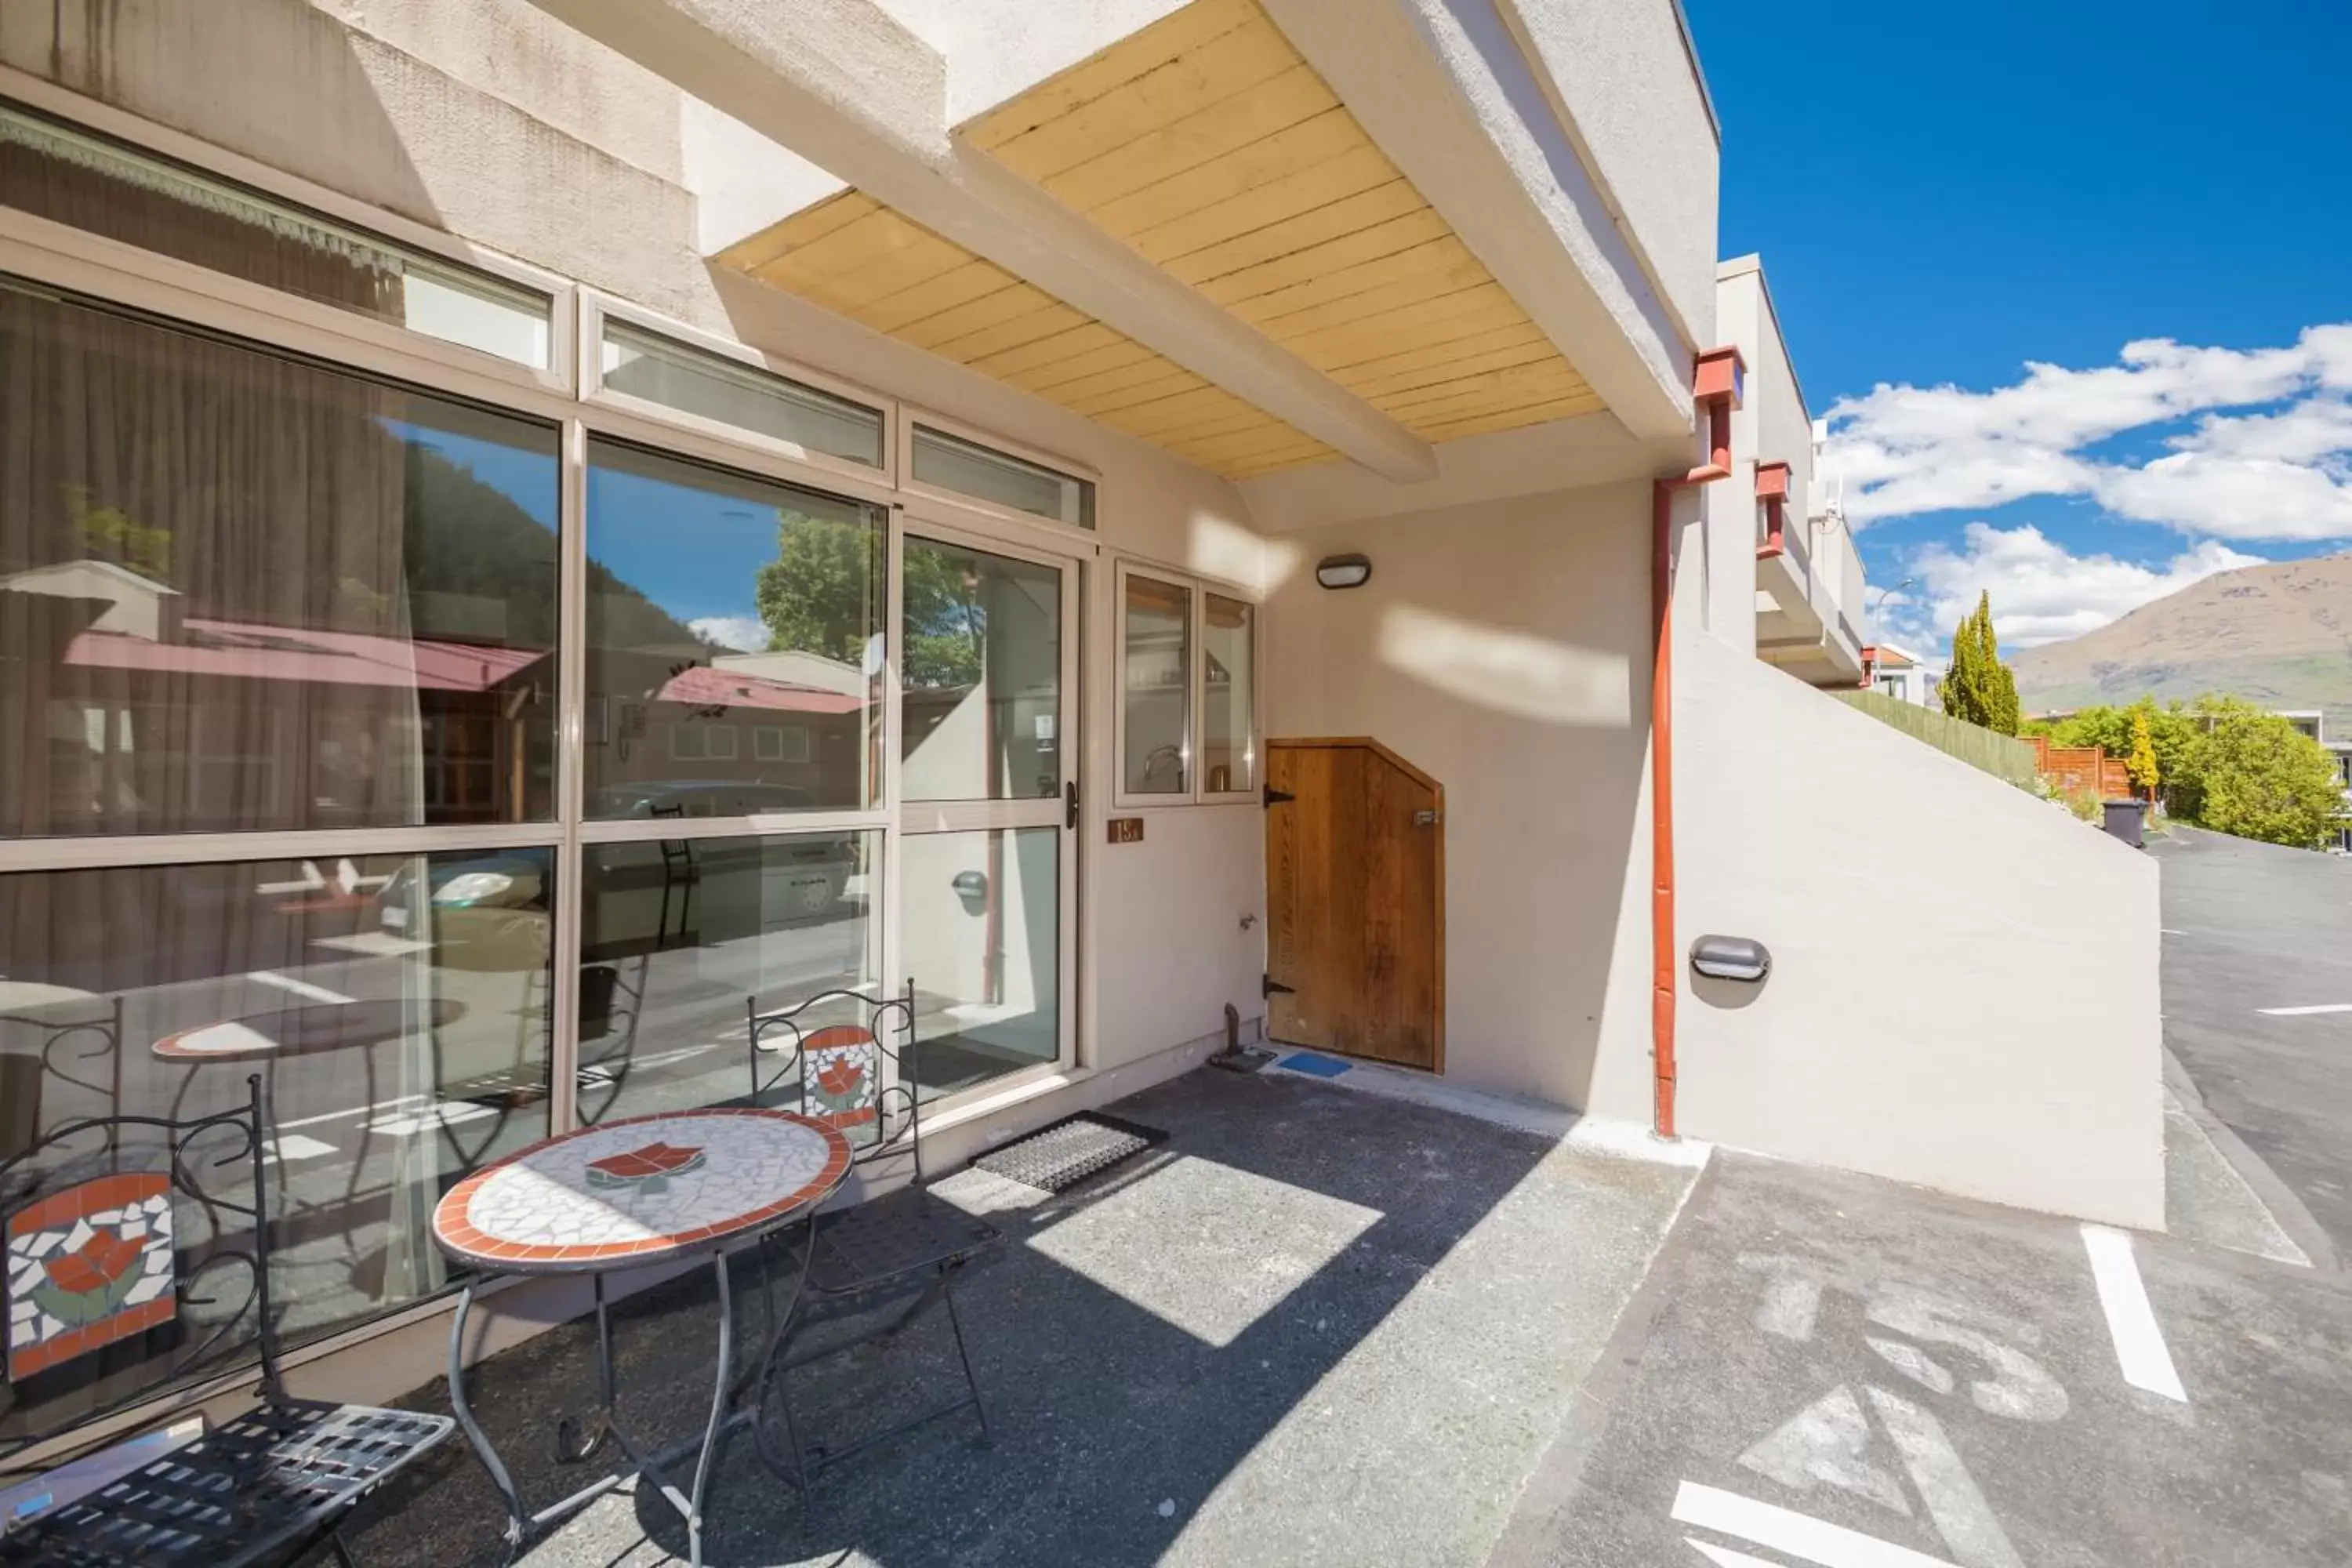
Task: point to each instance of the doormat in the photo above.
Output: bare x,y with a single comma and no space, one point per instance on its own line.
1314,1066
1065,1152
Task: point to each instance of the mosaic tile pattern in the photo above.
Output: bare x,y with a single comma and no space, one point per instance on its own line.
842,1074
636,1190
88,1267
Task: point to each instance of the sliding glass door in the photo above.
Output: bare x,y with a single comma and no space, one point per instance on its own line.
988,791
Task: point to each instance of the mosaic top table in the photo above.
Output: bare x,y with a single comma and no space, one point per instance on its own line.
684,1184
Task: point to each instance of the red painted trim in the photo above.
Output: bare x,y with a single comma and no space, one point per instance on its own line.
1718,392
1771,481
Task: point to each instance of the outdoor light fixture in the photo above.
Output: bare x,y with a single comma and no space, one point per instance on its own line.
1731,958
1344,571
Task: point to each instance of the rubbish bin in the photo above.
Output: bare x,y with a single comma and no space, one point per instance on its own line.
2125,819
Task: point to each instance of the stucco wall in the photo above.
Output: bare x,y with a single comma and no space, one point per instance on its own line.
1964,989
1500,649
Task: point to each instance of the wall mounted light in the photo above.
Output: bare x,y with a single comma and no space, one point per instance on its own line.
1731,958
1343,571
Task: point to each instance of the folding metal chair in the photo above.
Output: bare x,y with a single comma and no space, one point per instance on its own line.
908,1243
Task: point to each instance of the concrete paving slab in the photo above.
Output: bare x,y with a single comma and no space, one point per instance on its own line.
1834,1370
1315,1327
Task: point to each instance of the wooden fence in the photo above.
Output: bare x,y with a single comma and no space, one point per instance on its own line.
2089,768
2004,756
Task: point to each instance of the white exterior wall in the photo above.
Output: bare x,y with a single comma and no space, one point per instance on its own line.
1502,649
2009,1047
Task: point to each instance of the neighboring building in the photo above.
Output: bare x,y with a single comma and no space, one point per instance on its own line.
538,522
1899,673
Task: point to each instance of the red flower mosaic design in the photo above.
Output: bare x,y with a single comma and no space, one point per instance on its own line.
88,1267
652,1164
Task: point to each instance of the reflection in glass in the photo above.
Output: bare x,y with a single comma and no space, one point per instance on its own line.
1227,690
1157,665
734,643
982,695
237,593
72,176
969,468
396,1007
981,929
661,370
676,935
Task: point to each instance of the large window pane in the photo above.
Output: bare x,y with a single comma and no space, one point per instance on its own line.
734,643
1227,694
660,370
395,1007
676,935
982,695
982,933
68,175
242,592
1156,662
969,468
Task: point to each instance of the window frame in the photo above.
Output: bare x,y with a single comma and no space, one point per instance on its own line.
596,308
911,415
1198,587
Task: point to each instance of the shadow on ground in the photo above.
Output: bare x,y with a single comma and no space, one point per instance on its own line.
1315,1326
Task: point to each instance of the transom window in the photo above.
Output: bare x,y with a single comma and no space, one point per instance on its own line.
951,463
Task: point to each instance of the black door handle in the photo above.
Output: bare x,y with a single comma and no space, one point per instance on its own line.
1071,791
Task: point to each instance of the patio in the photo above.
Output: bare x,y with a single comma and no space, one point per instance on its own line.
1317,1325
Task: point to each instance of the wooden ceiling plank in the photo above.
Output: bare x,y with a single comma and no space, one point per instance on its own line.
974,281
1125,386
1303,145
1278,462
1471,309
959,320
1427,271
1047,380
1445,367
811,223
1173,412
853,293
1293,234
1174,36
1546,382
1424,356
1227,66
1058,348
1216,130
848,249
1354,170
1221,449
1027,328
1328,259
1539,414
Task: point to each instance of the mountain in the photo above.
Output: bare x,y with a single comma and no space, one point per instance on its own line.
2278,634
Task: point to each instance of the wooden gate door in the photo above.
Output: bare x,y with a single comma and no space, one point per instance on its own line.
1355,872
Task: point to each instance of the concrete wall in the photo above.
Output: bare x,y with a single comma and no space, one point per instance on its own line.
2007,1048
1500,647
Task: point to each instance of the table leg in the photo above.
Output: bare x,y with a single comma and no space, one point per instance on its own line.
719,1390
516,1520
771,1379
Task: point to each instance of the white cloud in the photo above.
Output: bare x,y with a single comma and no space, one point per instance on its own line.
2278,474
2040,592
744,634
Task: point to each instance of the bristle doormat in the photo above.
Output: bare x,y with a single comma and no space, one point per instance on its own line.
1069,1150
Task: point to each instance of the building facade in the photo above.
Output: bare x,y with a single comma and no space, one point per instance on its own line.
529,525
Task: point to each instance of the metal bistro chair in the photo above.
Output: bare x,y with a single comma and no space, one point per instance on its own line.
906,1243
128,1278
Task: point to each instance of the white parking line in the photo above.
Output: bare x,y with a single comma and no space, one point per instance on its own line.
300,987
2304,1012
1799,1535
2131,1322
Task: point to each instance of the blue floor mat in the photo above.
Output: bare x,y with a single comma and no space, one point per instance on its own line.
1313,1066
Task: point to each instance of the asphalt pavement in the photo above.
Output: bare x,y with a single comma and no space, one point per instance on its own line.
1832,1370
2257,940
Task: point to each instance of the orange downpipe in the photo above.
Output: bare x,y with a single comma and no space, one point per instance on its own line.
1664,958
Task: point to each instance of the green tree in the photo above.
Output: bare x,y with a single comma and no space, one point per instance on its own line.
2259,777
2173,734
2141,761
823,594
1978,688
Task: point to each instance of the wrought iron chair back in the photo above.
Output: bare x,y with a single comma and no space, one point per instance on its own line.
134,1263
836,1071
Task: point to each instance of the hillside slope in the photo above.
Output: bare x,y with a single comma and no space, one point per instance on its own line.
2278,634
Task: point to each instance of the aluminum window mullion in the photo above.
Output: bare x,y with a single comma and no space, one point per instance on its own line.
645,830
95,852
571,658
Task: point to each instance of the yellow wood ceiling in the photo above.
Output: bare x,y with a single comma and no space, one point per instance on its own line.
1206,143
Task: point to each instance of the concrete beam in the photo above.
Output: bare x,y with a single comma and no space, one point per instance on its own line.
841,83
1443,87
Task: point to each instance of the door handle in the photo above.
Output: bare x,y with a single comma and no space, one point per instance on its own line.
1425,819
1071,791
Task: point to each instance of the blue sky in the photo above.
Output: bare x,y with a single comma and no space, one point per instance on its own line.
1944,193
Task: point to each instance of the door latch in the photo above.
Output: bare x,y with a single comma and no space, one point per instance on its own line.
1270,987
1276,797
1425,819
1071,791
